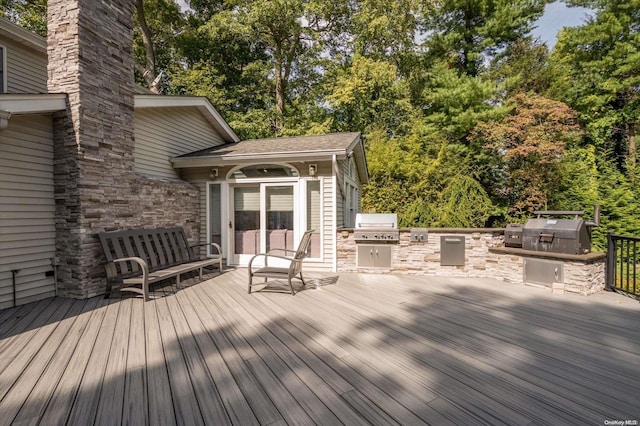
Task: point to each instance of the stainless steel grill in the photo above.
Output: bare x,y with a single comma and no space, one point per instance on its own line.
549,232
376,228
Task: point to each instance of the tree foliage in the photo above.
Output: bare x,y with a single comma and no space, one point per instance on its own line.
468,120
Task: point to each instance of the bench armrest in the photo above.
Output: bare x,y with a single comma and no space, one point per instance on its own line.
214,245
111,270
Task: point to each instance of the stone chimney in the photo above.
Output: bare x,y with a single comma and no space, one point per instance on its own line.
90,59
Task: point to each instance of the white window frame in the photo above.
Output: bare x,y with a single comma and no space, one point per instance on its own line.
224,213
350,202
303,214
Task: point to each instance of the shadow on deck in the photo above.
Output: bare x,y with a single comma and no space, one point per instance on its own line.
368,349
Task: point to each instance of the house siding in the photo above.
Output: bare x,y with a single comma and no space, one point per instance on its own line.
162,133
26,68
27,210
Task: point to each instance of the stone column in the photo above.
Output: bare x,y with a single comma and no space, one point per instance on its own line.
90,59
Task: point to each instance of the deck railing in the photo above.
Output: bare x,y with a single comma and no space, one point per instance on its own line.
623,264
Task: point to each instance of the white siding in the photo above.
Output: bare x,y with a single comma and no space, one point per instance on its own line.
162,133
26,68
328,231
27,209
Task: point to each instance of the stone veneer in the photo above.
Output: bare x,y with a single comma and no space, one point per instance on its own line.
485,257
96,189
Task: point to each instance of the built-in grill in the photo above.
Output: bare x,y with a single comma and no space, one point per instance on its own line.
372,228
513,235
375,235
551,231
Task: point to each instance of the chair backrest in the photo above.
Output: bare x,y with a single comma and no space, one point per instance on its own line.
303,247
160,248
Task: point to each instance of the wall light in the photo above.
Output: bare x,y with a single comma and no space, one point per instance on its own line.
213,173
313,170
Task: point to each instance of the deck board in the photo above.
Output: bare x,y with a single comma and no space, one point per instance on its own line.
369,349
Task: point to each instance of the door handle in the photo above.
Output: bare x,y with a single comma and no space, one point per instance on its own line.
230,225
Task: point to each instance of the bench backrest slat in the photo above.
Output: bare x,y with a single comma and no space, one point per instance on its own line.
160,248
150,251
155,238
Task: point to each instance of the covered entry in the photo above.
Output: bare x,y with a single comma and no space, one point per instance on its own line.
263,194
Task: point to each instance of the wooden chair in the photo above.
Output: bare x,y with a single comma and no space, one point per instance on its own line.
292,271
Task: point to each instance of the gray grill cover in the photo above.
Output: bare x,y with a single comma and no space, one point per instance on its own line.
569,236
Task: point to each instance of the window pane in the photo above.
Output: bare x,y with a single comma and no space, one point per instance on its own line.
264,170
279,217
314,208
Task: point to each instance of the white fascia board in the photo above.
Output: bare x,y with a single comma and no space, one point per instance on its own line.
202,103
22,36
18,104
225,160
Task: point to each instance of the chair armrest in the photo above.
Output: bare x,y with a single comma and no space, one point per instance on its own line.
267,256
216,246
281,250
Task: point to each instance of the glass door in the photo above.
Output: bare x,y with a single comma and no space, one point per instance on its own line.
246,223
263,219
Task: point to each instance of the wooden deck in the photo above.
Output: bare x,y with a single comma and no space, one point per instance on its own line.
368,349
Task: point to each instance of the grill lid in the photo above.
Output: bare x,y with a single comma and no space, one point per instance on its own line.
376,221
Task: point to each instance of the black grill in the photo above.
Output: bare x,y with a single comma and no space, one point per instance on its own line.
550,232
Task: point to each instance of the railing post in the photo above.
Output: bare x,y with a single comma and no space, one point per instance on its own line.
611,262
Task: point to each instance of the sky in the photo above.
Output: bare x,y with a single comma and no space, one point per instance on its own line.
556,16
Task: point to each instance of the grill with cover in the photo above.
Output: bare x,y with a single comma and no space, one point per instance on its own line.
557,235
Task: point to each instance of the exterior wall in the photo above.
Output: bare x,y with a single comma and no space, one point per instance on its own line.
96,189
27,210
480,261
162,133
26,68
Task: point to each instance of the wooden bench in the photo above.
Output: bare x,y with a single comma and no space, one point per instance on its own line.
137,258
292,270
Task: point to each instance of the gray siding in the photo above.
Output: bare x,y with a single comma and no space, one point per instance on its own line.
162,133
27,209
26,68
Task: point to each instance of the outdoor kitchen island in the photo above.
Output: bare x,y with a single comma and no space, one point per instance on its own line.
477,253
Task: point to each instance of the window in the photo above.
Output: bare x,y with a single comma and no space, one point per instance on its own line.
264,171
314,212
3,74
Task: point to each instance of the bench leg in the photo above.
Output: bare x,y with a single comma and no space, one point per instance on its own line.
250,281
178,281
293,293
200,272
145,289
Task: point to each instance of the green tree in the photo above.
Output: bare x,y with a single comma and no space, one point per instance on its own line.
30,14
532,140
466,33
601,65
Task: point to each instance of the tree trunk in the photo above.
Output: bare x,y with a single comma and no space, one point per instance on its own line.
280,94
149,68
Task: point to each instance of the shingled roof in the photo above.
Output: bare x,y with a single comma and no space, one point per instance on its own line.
289,149
291,145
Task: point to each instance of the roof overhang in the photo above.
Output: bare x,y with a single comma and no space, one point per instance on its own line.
250,158
199,102
355,149
25,37
23,104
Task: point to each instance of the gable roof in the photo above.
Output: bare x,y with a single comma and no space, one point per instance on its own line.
200,102
286,149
